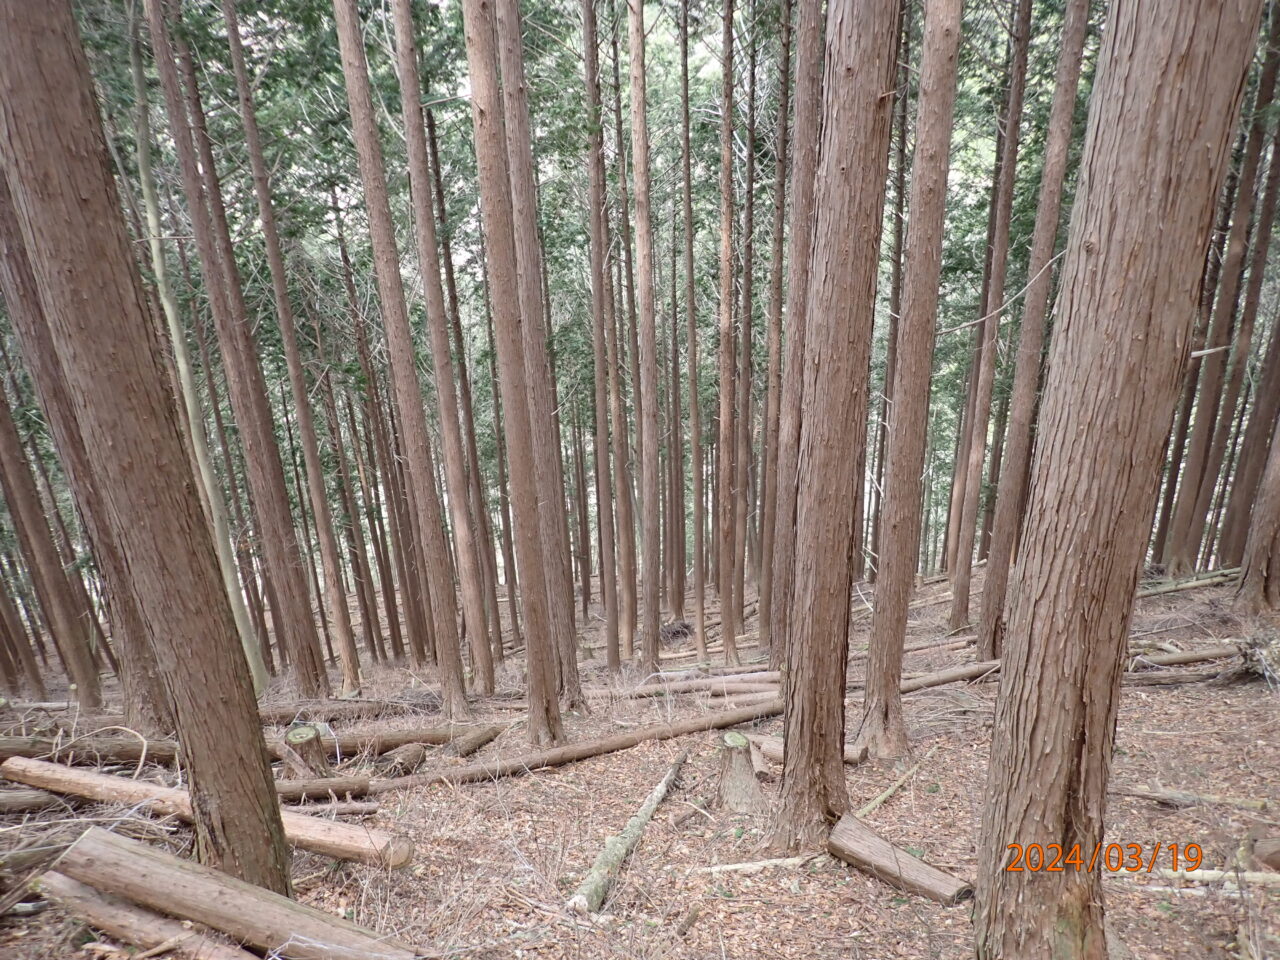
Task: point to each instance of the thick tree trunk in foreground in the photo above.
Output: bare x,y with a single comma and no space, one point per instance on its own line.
1012,490
426,519
335,595
70,222
1167,95
882,729
849,195
992,307
500,249
650,579
804,165
601,319
547,465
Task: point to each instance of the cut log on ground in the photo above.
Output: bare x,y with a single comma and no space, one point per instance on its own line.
135,925
589,896
248,914
558,756
305,757
357,742
325,837
773,749
28,801
337,809
758,866
1183,798
326,788
737,790
469,743
1217,652
968,671
1266,852
91,750
402,761
857,844
328,710
716,686
1213,579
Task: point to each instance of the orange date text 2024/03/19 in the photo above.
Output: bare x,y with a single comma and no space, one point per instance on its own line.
1112,857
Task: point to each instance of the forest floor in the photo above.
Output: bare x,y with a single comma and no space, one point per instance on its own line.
496,861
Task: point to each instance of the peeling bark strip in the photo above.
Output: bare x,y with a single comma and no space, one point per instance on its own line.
1168,92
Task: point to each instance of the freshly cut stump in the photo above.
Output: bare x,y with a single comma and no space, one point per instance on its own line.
738,790
304,754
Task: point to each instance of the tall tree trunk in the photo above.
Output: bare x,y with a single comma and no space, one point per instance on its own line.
335,597
962,573
803,168
500,249
433,547
691,313
509,573
1012,492
840,309
542,407
1168,88
726,514
245,385
464,533
882,730
70,224
1259,588
1187,525
1253,455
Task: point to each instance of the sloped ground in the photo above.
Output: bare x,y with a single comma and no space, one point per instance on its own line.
496,861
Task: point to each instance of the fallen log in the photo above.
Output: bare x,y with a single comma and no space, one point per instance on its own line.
857,844
145,929
310,711
1212,579
326,788
589,896
1217,652
968,671
402,761
91,749
469,743
251,915
28,801
558,756
325,837
758,866
1166,678
305,758
1182,798
337,809
715,686
773,749
1258,878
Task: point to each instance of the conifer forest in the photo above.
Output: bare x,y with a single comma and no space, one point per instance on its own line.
648,479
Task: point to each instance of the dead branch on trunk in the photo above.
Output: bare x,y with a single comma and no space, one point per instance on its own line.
857,844
558,756
589,896
135,925
319,836
248,914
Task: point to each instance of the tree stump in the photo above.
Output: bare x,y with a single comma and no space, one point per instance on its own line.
738,790
304,754
402,761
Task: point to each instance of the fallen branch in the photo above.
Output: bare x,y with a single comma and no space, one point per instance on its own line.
855,843
757,866
589,896
1181,798
337,809
893,788
558,756
27,801
1186,656
1258,878
133,924
325,837
1212,579
251,915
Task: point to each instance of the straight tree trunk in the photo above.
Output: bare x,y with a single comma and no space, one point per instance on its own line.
962,572
804,164
1011,492
68,213
511,581
1168,89
1259,588
430,540
726,514
882,731
496,209
651,575
849,196
622,483
265,473
691,314
335,596
542,407
1254,448
1186,527
464,534
742,427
